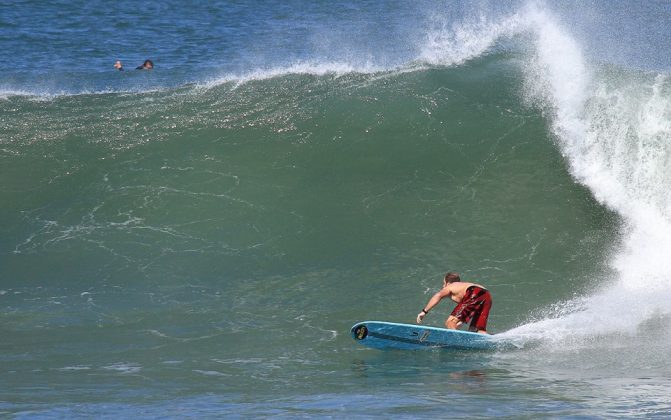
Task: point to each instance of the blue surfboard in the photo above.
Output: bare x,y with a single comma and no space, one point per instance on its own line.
389,335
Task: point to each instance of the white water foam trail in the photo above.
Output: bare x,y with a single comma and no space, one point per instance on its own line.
614,129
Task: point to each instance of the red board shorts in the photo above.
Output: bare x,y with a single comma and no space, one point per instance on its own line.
474,308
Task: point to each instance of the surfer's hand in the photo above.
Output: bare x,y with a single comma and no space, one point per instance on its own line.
420,317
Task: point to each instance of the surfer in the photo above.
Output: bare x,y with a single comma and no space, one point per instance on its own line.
473,304
147,65
118,65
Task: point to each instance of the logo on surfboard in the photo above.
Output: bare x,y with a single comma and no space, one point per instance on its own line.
360,332
423,337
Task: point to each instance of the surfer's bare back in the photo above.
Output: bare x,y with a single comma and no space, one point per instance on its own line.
473,304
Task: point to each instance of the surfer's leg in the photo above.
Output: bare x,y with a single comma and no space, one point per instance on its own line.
480,317
458,316
453,322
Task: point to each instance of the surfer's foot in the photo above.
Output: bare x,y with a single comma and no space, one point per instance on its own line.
483,332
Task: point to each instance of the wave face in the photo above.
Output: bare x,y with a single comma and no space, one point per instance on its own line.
215,226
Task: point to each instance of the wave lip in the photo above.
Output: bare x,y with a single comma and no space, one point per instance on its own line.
455,44
613,129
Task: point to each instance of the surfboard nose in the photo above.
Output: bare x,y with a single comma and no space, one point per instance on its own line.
359,331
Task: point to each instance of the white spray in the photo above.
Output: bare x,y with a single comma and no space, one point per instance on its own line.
614,129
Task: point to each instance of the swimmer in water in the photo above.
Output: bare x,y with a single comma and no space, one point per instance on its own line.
118,65
147,65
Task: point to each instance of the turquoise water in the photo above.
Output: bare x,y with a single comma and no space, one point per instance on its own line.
198,240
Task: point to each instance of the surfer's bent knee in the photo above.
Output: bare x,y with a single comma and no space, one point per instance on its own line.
453,322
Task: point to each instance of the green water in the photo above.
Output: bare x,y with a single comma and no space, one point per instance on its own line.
197,240
205,250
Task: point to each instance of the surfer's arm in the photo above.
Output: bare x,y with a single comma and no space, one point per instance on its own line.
435,299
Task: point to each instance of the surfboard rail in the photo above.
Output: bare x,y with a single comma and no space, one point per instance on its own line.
390,335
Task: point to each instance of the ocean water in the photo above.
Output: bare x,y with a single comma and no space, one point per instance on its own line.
196,240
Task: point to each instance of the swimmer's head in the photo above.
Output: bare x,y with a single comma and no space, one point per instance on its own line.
118,65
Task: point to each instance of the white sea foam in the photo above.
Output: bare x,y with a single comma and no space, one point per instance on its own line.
124,368
443,44
313,68
8,93
450,43
614,130
74,368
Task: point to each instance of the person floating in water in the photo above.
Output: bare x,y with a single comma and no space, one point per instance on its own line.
473,304
147,65
118,65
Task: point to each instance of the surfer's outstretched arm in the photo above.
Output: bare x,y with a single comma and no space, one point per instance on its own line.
435,299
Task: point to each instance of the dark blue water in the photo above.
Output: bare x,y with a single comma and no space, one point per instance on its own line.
71,46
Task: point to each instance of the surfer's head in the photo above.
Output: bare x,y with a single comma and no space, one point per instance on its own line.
147,65
451,278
